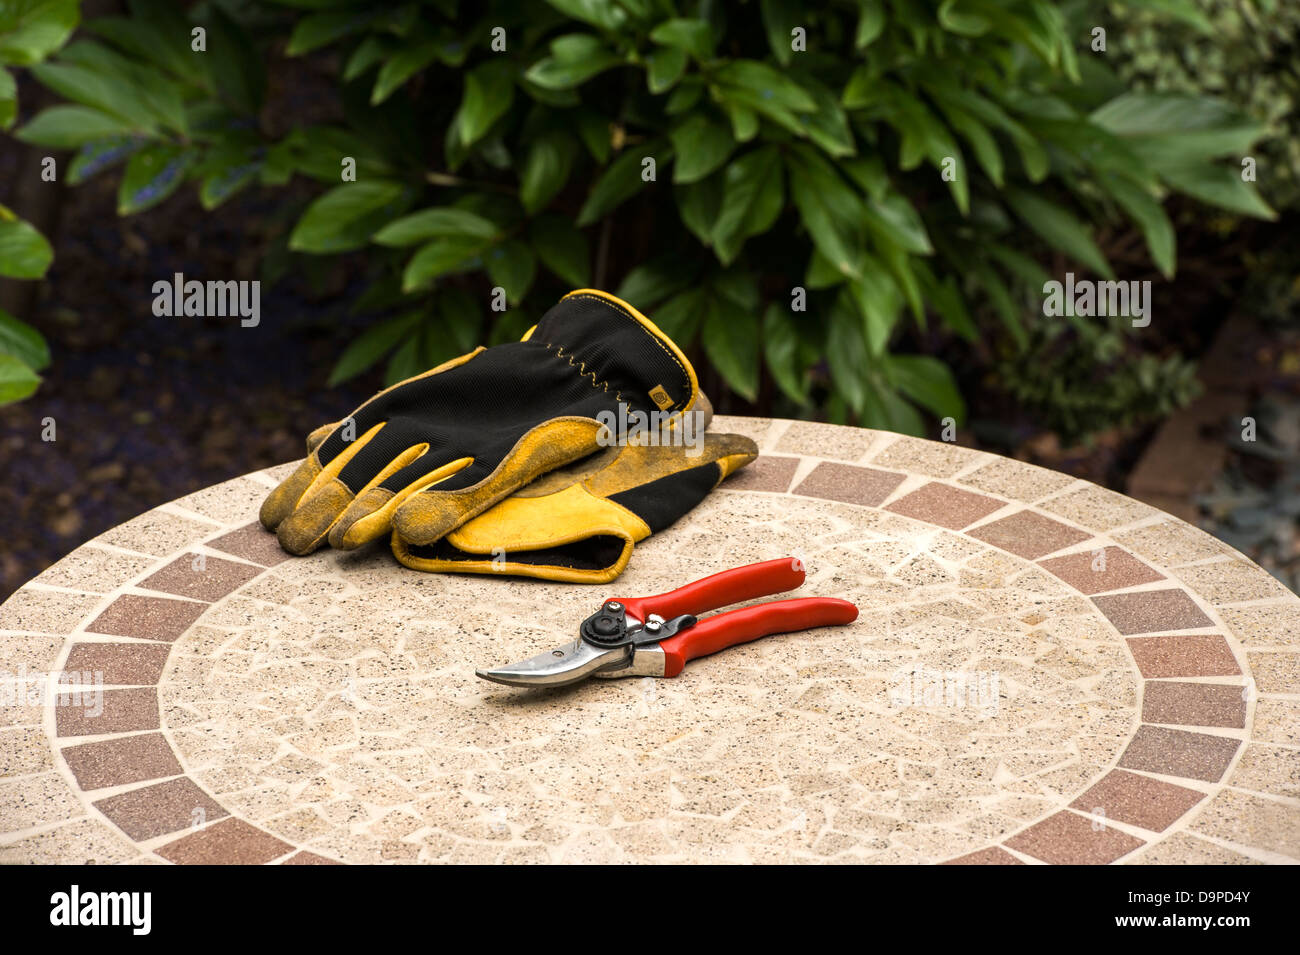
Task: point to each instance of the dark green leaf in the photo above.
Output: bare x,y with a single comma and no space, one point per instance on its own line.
753,195
1146,211
664,67
407,361
17,381
780,17
546,168
321,29
928,382
237,70
1175,128
368,52
404,64
693,36
30,30
655,280
594,130
730,339
432,223
828,207
879,303
1219,186
23,342
701,146
151,175
598,13
460,314
893,218
512,266
782,351
448,254
346,216
621,180
698,204
827,126
846,352
489,91
554,73
562,248
24,252
370,346
1060,228
8,99
679,318
67,127
871,22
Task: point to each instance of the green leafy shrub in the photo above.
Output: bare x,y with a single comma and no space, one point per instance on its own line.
30,30
895,160
1246,51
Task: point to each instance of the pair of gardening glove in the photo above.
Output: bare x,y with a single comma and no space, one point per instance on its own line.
517,459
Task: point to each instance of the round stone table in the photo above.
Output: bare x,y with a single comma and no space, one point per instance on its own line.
1043,671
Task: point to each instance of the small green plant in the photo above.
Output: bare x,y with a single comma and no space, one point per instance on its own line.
30,30
1077,378
810,179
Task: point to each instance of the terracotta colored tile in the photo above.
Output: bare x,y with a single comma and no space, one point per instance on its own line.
945,505
127,759
252,542
1029,535
768,472
119,664
1138,800
1152,610
1194,704
149,618
849,483
114,711
216,579
1069,839
155,810
1189,655
990,856
229,842
1155,749
1091,572
309,858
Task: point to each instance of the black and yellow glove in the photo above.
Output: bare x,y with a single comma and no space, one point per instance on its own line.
580,523
433,451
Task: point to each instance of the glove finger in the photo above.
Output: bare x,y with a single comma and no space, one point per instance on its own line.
426,516
370,516
313,498
280,503
320,434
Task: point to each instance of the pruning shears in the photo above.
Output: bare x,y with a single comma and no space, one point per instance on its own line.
656,636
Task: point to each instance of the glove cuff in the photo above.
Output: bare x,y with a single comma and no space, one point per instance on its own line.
617,347
571,536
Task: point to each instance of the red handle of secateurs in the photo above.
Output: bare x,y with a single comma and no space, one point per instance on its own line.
719,590
749,623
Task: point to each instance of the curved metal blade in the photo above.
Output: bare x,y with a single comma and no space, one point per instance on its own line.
559,667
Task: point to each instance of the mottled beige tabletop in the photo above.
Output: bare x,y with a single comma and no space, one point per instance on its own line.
1043,671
